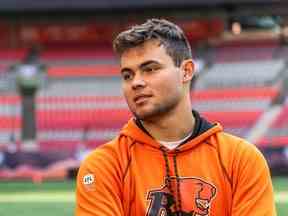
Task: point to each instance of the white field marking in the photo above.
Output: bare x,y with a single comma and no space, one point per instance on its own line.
23,197
281,197
69,197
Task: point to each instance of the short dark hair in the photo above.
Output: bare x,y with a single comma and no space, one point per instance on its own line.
168,33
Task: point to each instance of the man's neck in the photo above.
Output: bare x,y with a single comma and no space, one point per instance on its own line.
171,127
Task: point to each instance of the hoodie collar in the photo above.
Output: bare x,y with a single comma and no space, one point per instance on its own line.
202,131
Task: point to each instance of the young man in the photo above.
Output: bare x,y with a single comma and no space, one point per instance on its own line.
168,160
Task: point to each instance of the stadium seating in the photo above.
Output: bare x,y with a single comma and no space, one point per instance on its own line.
238,123
227,54
237,109
82,102
277,135
83,86
12,55
83,61
78,54
233,99
82,71
64,121
237,74
3,67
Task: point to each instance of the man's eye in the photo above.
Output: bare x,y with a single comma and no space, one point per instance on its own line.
150,69
126,76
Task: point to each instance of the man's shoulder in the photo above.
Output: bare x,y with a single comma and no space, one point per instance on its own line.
239,156
238,148
229,140
106,148
105,162
110,151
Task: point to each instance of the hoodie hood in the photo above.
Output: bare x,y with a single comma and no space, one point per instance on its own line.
205,131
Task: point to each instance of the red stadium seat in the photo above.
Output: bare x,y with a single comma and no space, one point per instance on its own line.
83,71
70,53
13,54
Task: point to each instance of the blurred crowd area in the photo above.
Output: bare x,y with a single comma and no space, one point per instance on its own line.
60,91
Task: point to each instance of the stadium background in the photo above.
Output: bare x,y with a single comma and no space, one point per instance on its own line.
60,88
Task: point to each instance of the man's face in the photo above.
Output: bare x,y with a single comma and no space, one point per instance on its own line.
151,83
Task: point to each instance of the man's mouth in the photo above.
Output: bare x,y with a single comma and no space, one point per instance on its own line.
141,98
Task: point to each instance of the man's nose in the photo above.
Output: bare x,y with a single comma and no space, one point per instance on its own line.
138,82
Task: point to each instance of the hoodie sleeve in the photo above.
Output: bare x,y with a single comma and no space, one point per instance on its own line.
252,185
98,189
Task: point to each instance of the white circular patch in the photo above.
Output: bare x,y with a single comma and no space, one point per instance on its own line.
88,179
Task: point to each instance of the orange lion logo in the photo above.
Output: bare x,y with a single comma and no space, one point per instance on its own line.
196,198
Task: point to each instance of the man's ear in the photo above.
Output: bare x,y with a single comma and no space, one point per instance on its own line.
187,67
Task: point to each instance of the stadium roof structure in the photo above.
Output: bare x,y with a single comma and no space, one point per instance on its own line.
35,5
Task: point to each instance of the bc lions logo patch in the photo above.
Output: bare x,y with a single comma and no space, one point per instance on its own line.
196,198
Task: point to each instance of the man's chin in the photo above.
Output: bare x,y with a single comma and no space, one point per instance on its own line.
143,115
146,116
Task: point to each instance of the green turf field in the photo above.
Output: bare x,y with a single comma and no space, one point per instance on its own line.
281,195
28,199
57,198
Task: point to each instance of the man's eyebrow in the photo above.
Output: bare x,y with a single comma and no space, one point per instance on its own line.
144,64
125,70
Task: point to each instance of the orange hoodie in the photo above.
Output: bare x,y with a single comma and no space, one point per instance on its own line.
213,174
